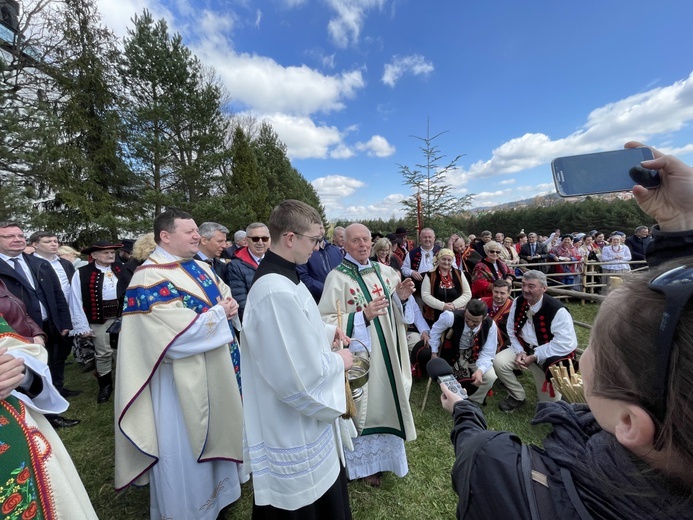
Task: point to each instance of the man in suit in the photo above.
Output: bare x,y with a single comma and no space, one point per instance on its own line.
46,246
534,252
639,242
34,281
212,244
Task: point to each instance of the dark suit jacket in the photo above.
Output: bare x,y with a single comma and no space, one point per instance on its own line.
541,250
218,266
48,291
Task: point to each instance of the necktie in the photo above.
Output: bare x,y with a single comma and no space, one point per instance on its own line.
533,249
20,271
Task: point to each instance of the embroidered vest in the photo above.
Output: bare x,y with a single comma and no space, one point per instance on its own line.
431,313
91,279
541,320
415,255
450,349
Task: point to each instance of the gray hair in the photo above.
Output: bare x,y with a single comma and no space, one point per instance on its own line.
255,225
338,228
207,229
640,228
535,275
491,243
239,235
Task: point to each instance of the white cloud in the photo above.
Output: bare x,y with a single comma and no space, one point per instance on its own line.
350,15
414,64
384,209
638,117
258,18
507,182
333,189
303,138
342,151
116,14
266,86
377,146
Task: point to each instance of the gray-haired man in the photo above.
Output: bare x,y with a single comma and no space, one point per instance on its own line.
541,334
212,243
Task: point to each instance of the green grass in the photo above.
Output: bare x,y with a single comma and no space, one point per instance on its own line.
425,493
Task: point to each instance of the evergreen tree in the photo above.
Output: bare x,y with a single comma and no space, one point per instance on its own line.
246,187
428,180
176,125
87,188
283,180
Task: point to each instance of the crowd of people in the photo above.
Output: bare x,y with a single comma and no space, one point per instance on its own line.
229,360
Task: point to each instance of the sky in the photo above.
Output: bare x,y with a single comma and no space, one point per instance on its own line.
350,85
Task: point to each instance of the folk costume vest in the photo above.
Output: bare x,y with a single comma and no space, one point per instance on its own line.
542,327
415,255
450,349
433,314
91,279
542,320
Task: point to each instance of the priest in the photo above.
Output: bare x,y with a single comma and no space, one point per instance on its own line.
178,409
377,306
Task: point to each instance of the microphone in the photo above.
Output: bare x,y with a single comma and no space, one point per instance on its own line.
441,371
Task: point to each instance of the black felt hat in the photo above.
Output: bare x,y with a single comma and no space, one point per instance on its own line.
101,245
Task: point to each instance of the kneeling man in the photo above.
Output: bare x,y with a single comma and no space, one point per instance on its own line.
472,344
541,334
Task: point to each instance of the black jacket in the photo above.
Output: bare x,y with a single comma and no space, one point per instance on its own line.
638,246
587,472
48,291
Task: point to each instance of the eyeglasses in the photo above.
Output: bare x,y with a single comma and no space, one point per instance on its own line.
257,239
677,287
494,251
315,240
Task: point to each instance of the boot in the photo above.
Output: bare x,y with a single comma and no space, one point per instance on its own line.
105,388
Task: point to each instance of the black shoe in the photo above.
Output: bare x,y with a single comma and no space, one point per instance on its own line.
105,388
69,393
89,366
510,404
61,422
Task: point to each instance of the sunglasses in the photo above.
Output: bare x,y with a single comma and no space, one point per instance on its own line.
257,239
494,251
677,287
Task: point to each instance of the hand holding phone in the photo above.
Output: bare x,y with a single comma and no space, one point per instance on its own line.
670,204
604,172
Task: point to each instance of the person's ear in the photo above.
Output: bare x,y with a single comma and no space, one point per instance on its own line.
635,429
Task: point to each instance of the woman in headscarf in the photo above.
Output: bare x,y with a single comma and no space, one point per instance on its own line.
443,288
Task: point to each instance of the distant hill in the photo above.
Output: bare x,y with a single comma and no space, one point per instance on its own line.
543,201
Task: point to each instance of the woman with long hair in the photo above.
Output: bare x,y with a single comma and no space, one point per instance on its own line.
443,288
382,252
628,451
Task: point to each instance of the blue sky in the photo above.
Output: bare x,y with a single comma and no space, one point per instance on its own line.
347,83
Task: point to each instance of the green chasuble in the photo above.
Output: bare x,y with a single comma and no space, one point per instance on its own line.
385,406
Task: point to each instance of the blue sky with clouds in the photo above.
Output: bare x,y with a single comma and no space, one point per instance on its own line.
347,83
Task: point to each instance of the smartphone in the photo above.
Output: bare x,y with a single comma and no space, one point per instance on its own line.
453,385
604,172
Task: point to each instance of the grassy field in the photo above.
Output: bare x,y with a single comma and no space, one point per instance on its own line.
425,493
